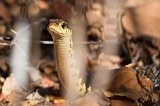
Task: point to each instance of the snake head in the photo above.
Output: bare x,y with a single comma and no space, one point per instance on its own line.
58,28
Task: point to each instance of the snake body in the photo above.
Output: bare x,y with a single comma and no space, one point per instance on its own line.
67,72
64,58
63,45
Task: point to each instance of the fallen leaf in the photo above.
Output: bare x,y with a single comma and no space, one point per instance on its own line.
138,22
125,83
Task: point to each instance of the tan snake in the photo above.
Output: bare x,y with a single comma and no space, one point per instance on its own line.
68,74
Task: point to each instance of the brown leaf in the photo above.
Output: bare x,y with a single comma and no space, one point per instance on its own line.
62,10
86,101
5,13
43,5
16,97
59,104
126,84
121,103
142,19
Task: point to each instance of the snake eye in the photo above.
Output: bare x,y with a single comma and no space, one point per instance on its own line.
63,25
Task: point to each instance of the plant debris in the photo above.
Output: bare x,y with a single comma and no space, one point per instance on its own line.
117,49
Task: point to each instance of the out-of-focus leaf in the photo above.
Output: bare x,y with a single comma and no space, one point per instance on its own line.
5,13
142,19
126,84
62,10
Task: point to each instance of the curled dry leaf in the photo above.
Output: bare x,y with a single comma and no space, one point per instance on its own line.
125,83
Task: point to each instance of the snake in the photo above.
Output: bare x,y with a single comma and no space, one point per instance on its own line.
64,52
63,45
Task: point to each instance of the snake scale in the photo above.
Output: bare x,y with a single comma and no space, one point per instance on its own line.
63,45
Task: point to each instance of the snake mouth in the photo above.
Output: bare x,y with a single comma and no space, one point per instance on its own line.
54,32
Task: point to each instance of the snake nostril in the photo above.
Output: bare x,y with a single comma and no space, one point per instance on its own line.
56,21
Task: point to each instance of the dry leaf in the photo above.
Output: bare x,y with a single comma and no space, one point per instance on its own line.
125,84
143,19
86,101
5,13
62,10
121,103
10,85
